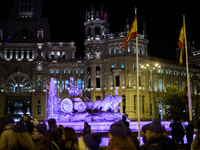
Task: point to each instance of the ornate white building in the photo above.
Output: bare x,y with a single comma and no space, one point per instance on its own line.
28,61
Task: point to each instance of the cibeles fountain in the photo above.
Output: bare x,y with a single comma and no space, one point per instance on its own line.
73,110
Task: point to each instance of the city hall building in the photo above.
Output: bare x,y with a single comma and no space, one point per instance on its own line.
28,60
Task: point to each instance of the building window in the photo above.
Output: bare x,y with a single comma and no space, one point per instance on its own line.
117,81
134,67
117,50
82,85
167,83
39,109
8,54
158,70
97,30
39,84
122,51
54,70
18,106
174,72
8,110
133,50
97,68
143,104
89,83
28,110
8,101
63,85
98,97
122,66
175,84
18,88
79,83
167,72
160,85
112,51
28,101
97,82
66,83
149,83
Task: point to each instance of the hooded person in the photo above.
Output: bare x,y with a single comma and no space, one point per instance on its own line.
118,137
40,138
28,123
54,137
20,138
156,138
90,142
7,131
51,121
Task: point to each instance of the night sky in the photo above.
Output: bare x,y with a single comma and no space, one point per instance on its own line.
163,21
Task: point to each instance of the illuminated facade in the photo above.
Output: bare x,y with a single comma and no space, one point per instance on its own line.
28,60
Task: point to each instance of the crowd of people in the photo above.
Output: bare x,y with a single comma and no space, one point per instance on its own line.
29,134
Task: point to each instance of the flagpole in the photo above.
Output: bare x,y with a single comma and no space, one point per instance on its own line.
46,102
137,74
187,68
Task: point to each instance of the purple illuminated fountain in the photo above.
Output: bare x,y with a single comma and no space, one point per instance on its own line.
73,110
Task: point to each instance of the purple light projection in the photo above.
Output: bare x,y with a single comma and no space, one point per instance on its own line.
64,110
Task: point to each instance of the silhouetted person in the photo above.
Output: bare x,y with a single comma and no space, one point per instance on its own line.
124,120
180,133
29,124
86,129
189,132
173,125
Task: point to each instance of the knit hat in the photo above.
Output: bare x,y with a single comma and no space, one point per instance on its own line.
51,121
92,141
118,129
128,130
42,128
155,126
7,120
19,127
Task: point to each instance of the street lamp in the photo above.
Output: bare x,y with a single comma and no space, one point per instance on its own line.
151,68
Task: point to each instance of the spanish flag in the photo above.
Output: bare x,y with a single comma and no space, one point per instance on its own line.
47,87
132,33
180,44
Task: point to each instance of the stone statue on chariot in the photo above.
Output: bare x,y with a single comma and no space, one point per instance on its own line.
75,108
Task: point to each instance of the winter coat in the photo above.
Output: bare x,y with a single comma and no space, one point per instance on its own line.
5,136
196,142
56,143
69,145
44,143
162,143
87,130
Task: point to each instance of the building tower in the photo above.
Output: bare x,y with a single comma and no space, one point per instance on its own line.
96,29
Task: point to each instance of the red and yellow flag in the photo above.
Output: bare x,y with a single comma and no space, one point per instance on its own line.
180,44
132,33
47,87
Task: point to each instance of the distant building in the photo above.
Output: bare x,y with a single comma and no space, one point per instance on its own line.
28,61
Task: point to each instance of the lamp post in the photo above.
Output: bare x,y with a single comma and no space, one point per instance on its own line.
151,68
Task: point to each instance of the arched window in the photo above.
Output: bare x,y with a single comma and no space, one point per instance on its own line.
117,50
97,82
122,51
133,49
66,83
112,51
